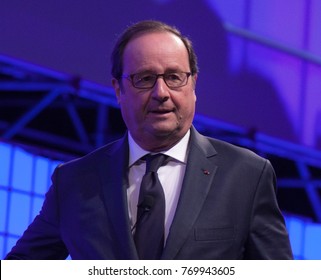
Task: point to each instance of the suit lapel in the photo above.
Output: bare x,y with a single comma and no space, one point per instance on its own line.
113,174
199,174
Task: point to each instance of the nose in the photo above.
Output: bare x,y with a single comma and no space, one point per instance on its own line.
161,90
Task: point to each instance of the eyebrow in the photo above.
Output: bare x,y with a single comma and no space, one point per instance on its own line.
168,70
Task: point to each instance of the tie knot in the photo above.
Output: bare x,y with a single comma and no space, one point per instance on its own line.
153,162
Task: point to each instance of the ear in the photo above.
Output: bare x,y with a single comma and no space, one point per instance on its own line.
194,86
117,88
194,78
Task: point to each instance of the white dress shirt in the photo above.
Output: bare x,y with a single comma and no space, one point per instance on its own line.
171,177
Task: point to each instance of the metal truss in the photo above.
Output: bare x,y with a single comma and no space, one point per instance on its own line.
64,117
55,111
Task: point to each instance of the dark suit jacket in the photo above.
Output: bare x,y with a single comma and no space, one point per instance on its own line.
227,208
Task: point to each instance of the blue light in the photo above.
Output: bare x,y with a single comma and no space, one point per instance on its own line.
22,170
295,228
312,244
42,175
3,209
5,154
19,213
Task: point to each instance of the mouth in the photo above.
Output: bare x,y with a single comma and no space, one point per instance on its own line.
160,111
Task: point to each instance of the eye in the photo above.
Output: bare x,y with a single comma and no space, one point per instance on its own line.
173,77
143,78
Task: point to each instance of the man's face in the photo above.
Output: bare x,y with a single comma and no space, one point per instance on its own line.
159,117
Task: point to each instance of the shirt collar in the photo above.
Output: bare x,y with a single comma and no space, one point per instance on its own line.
177,152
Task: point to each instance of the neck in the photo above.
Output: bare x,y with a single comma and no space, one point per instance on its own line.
158,143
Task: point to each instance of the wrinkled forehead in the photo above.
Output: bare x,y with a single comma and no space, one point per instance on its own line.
160,48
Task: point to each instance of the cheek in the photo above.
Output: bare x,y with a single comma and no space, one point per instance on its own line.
188,107
132,107
187,101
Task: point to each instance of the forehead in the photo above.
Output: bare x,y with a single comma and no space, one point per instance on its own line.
157,49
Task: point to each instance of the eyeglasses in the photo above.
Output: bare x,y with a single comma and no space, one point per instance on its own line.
148,80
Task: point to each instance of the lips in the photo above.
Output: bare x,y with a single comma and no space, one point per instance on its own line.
160,112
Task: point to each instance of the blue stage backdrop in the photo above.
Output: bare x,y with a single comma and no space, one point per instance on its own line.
259,60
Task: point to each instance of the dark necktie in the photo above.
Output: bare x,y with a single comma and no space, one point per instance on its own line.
149,235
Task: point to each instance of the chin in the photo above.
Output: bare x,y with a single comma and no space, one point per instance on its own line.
165,130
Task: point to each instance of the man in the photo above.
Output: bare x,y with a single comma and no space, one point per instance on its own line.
220,200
